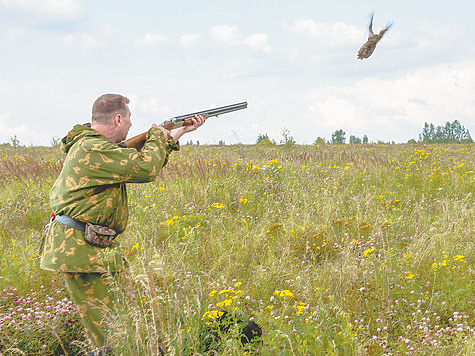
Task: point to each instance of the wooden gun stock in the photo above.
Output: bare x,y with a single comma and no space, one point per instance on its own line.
138,141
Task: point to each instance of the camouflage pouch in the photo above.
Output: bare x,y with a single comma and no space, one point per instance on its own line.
99,236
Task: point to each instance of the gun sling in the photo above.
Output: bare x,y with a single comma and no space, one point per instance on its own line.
70,222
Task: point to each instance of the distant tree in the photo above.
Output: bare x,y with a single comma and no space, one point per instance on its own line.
365,139
221,143
189,143
427,132
266,142
286,138
412,141
354,139
338,137
55,141
261,138
15,142
449,133
455,132
320,141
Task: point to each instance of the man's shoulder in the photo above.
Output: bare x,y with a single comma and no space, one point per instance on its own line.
96,142
89,146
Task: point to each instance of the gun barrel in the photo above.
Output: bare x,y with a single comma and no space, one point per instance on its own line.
138,141
179,121
216,111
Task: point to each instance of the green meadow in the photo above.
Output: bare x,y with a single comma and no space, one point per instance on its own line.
332,249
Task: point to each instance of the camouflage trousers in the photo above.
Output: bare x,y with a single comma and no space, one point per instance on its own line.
91,294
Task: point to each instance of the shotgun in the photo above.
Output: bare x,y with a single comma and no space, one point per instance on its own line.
138,141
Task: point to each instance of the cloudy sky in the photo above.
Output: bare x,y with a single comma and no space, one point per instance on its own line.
293,61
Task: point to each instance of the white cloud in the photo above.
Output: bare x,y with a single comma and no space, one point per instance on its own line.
151,40
437,94
16,33
23,133
190,40
257,42
336,34
427,41
53,10
225,33
91,45
87,42
332,111
144,105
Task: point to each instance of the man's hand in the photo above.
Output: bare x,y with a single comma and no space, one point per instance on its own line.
197,120
165,131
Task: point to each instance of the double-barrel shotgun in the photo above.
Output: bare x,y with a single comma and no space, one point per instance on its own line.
182,120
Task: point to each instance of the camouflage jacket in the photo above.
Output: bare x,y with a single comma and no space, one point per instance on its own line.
91,188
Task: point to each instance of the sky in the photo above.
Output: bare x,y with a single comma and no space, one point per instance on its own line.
294,62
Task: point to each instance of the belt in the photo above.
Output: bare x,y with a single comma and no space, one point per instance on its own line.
70,222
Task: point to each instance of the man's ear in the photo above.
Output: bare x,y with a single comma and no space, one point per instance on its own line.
117,120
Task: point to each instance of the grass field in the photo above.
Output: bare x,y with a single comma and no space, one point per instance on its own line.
331,249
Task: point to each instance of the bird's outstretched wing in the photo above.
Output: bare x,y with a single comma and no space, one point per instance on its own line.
371,26
369,46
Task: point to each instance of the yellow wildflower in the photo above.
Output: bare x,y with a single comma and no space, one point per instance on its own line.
459,258
33,257
299,308
368,252
283,293
213,314
224,303
217,206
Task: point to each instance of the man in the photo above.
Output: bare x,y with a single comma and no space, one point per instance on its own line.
89,201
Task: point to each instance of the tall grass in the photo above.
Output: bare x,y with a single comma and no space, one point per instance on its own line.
361,249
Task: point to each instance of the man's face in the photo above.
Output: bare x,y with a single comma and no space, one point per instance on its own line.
124,127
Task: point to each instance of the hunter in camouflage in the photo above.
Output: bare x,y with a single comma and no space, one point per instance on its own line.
91,188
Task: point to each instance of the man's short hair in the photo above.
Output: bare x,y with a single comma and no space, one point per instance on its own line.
107,106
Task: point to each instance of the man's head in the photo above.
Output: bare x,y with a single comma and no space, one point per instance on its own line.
111,116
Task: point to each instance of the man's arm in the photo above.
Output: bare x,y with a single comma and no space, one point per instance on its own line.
197,121
138,141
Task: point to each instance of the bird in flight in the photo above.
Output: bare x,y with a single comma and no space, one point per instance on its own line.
369,46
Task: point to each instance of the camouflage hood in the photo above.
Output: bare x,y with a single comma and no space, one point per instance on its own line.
77,132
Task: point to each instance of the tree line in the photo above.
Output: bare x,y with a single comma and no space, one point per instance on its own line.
449,133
